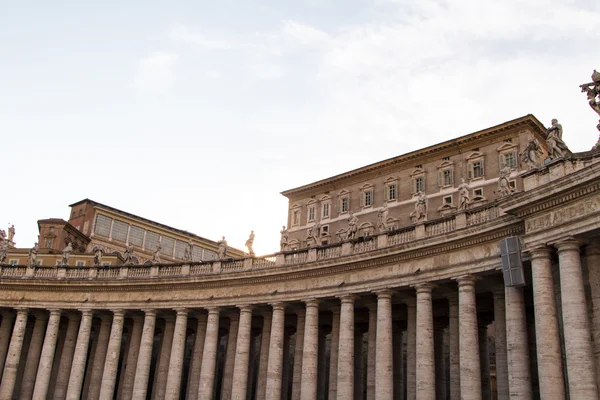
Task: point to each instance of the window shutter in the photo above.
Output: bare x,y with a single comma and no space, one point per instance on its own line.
362,199
482,168
413,185
386,192
440,178
501,160
452,176
470,170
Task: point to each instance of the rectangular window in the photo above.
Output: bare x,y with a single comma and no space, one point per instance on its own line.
14,262
106,264
391,191
312,213
80,263
296,217
119,231
152,240
324,229
167,245
367,198
345,204
102,225
325,213
478,192
510,160
448,200
445,177
419,184
476,169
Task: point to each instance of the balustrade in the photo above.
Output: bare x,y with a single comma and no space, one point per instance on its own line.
298,257
329,252
362,247
77,273
169,270
482,214
45,272
201,269
403,236
263,262
440,226
232,266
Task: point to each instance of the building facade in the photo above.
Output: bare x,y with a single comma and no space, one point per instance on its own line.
399,310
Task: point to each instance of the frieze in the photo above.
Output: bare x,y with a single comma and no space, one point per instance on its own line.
561,215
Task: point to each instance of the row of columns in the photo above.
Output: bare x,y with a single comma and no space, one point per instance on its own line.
424,348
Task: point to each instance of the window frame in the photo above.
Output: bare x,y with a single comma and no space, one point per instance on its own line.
390,186
367,192
418,175
476,157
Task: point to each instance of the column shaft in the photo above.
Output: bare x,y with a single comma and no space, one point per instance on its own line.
196,362
242,354
80,356
470,373
500,338
581,368
322,374
5,331
42,380
519,378
398,363
142,370
111,360
261,381
484,362
297,377
384,367
274,367
13,357
411,347
310,352
345,379
440,361
453,346
359,364
333,355
371,351
226,386
99,359
133,353
162,370
66,358
425,345
173,388
209,356
33,356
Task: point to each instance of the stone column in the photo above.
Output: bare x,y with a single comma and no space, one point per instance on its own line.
425,345
411,347
265,340
345,378
500,338
398,363
162,369
209,355
576,326
173,385
5,330
132,357
40,390
66,357
286,367
440,360
11,364
142,369
226,386
592,251
333,352
196,361
33,355
322,374
99,358
113,351
454,345
519,378
310,352
359,363
484,361
470,374
80,356
384,367
549,356
297,377
371,351
274,367
242,354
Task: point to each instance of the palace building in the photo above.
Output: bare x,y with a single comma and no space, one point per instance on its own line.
465,270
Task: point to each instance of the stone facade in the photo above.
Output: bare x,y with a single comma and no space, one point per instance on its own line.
406,317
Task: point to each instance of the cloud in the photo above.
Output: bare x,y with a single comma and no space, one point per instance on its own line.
186,35
155,73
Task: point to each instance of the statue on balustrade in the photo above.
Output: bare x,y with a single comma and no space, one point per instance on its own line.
352,227
556,147
250,243
66,254
222,250
531,154
33,252
311,239
2,235
285,239
464,198
420,212
3,251
128,254
593,95
188,252
11,233
156,255
382,217
98,254
504,186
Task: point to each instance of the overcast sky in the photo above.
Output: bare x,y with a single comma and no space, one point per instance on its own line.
196,114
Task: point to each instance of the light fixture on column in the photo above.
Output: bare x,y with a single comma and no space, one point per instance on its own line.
512,266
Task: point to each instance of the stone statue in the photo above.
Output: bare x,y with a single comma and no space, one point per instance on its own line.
352,227
463,195
250,243
556,146
66,253
285,238
530,155
11,233
592,90
503,183
420,212
188,252
98,254
3,251
33,252
311,239
382,217
128,255
156,255
2,235
222,250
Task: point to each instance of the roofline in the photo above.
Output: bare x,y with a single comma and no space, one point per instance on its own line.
528,119
163,226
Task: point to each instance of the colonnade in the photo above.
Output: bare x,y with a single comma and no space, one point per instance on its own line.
428,341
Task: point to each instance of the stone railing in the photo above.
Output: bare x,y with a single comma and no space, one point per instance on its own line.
425,230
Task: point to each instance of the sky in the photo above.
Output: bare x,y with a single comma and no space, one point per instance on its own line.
197,114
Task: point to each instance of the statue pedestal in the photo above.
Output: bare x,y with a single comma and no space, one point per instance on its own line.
11,244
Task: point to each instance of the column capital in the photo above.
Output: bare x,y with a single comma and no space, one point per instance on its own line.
499,291
278,306
335,309
149,312
213,310
410,302
246,308
267,315
424,287
118,313
593,248
181,310
384,293
452,298
311,303
347,298
55,311
301,312
372,306
86,312
538,252
567,244
466,280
